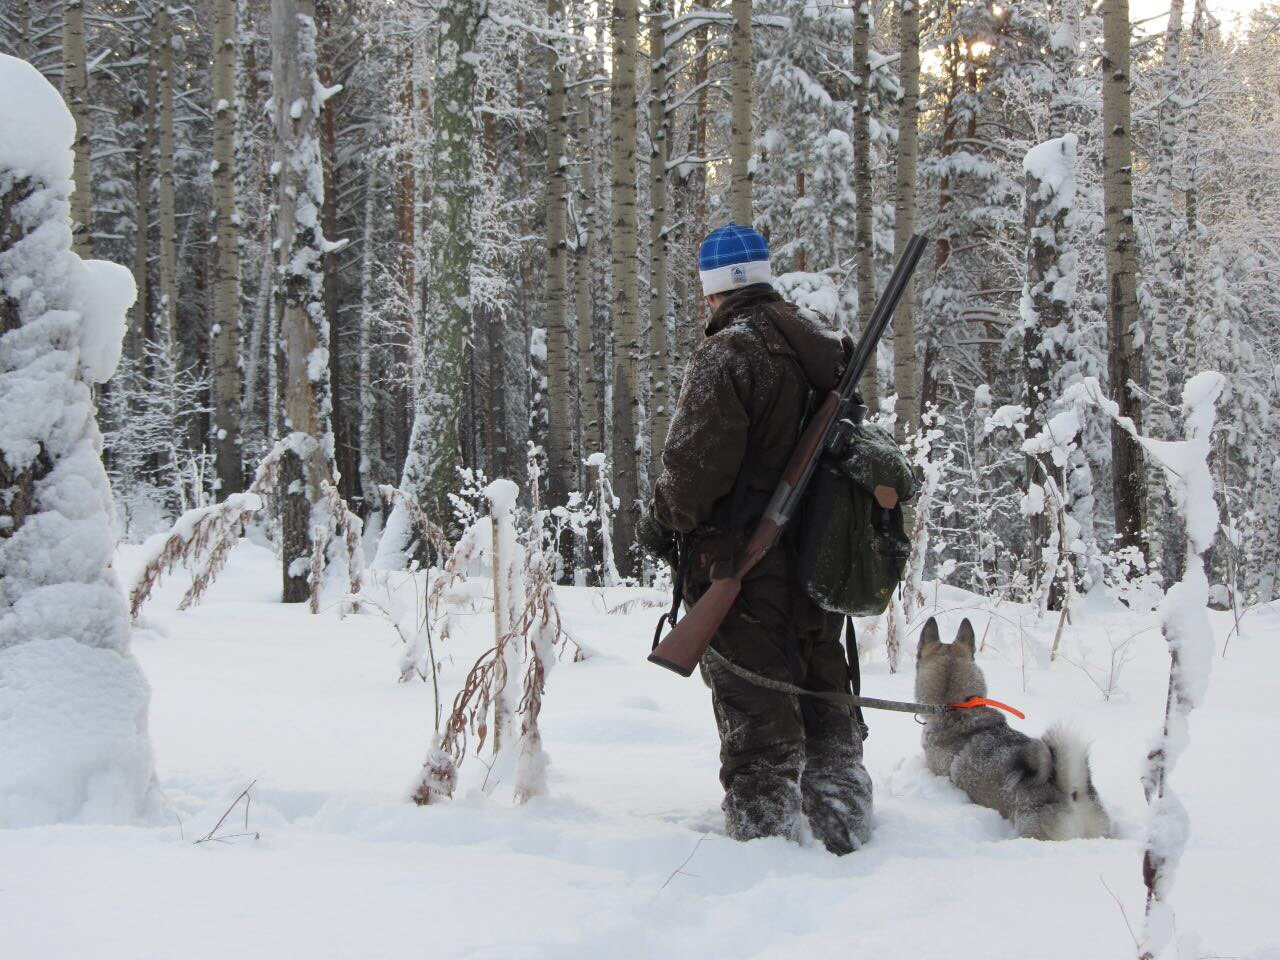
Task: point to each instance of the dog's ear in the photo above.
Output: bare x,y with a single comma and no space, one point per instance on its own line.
929,638
965,639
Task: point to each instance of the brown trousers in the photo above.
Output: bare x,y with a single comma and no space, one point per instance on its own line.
780,759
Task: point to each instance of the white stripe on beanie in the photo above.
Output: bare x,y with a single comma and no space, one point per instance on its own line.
734,275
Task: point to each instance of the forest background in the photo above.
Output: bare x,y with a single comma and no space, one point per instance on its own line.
427,243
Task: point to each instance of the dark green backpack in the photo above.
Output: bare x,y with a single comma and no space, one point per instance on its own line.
852,551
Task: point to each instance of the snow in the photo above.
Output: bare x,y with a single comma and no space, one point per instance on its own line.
103,297
502,495
1052,163
36,129
311,707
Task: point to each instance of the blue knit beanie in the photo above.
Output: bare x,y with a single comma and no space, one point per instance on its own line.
731,257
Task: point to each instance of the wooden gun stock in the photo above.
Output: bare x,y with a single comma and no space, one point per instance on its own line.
682,648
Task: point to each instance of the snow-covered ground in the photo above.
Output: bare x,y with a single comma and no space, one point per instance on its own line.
625,857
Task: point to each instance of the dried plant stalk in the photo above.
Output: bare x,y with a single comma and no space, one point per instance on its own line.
208,532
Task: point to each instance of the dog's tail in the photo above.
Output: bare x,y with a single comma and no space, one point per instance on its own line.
1083,815
1070,761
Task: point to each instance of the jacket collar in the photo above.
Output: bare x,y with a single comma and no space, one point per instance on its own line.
738,303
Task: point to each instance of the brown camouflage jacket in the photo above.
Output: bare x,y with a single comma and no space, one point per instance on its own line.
745,399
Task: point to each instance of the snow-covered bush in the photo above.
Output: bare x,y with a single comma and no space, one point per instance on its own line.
73,701
501,695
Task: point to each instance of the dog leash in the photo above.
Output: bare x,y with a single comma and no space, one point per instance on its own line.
854,700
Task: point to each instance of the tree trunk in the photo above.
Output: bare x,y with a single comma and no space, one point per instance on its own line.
866,251
1123,345
741,66
144,171
452,250
1193,253
366,402
1044,314
626,353
659,319
591,438
497,434
560,462
907,407
226,277
168,298
22,23
346,452
75,90
304,332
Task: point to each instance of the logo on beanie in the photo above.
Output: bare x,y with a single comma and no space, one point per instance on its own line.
739,275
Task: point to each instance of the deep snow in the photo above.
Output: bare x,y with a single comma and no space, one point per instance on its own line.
624,858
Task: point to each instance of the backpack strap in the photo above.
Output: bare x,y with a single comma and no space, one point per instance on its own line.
855,674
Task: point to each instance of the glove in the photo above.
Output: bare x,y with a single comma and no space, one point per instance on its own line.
657,541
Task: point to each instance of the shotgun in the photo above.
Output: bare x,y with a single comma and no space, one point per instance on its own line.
828,430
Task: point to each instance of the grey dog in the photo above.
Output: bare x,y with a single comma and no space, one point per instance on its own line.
1041,785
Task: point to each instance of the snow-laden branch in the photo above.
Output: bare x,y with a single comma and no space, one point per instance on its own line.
1185,624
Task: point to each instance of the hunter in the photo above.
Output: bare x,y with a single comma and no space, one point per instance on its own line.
748,390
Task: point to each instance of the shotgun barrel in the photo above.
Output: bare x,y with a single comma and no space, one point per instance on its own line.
682,648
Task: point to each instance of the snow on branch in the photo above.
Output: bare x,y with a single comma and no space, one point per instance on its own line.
1186,628
202,538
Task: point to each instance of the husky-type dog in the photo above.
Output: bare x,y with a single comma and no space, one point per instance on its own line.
1041,785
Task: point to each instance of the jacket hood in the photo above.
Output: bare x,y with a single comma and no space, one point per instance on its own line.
822,353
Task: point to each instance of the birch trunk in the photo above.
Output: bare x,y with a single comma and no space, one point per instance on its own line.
659,351
75,90
497,434
451,252
168,296
591,436
869,385
741,63
626,353
1123,345
226,278
140,330
304,332
1193,262
1166,264
907,407
560,465
22,22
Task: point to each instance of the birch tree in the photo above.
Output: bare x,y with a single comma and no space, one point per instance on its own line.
906,407
75,89
659,351
591,435
226,280
740,65
167,299
866,248
298,98
1124,341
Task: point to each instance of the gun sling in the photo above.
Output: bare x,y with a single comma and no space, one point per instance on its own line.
832,696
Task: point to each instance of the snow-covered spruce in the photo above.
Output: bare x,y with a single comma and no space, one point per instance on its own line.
73,701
